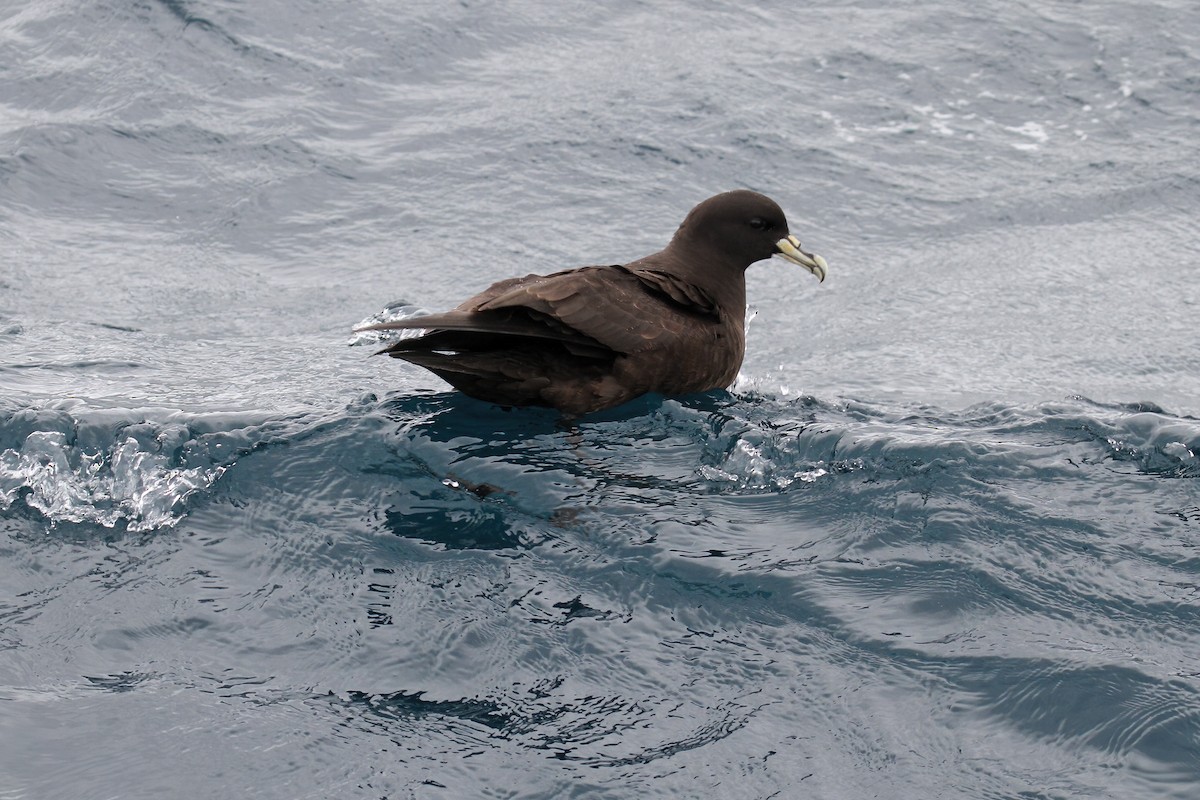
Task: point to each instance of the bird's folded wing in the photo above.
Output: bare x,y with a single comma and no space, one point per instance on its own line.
512,323
614,306
687,296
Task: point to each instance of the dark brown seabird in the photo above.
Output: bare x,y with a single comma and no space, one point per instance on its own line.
591,338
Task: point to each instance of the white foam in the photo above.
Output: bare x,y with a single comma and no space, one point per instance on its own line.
126,483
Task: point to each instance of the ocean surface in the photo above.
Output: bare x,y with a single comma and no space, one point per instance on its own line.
940,540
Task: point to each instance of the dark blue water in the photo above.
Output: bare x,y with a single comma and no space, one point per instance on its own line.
941,539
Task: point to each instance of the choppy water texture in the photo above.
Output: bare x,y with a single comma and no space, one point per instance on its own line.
940,540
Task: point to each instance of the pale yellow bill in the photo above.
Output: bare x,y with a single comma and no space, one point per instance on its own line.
789,250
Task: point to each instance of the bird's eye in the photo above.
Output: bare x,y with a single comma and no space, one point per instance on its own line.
760,224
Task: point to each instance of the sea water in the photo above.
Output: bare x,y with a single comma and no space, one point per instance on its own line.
939,540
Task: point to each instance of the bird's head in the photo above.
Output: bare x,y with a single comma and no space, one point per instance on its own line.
744,227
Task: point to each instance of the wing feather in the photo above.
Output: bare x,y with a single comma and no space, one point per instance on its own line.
609,305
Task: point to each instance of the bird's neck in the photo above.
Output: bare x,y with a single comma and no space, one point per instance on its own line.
701,266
